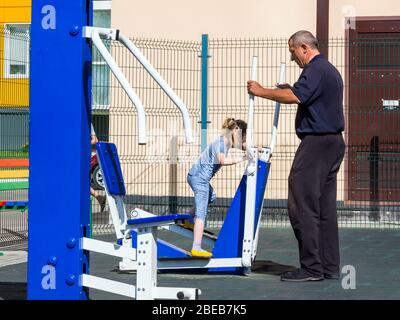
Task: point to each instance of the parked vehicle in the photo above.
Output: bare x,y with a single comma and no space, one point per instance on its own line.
96,180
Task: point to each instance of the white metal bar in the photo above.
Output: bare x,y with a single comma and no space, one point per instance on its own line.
256,236
163,84
249,218
250,114
104,33
132,264
129,290
276,114
251,184
277,110
119,201
127,265
141,121
199,263
190,263
107,285
174,228
268,153
146,272
114,215
108,248
172,293
102,5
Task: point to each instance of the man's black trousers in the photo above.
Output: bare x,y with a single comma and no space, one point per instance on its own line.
312,202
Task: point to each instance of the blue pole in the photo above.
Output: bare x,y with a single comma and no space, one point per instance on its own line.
204,89
60,117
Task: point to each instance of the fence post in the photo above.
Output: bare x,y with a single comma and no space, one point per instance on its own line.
173,176
204,89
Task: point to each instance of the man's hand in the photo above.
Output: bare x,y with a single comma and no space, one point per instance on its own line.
254,88
283,94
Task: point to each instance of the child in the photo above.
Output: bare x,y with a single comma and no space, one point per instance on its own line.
199,176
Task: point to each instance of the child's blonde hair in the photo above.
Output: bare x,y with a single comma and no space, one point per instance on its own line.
231,127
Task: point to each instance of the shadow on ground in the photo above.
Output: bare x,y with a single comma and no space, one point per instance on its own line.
13,291
270,267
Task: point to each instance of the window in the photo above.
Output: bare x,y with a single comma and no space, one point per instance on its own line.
378,50
102,5
100,70
16,50
101,74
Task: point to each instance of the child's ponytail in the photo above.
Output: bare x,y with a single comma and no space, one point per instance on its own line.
229,123
231,127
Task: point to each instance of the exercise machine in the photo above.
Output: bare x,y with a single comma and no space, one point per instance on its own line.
235,247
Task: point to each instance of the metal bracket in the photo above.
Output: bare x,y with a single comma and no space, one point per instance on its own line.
266,155
105,33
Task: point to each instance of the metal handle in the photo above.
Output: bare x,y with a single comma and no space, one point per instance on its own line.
250,115
141,120
162,83
268,152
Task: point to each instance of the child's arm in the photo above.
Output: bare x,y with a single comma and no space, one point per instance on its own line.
229,160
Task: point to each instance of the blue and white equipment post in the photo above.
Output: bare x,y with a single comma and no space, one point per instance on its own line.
60,117
251,184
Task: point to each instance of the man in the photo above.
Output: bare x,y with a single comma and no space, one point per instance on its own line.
312,179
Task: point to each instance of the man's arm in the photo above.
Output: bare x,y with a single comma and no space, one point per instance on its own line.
93,139
279,95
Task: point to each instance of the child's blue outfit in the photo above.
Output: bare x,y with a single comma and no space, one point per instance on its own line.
201,173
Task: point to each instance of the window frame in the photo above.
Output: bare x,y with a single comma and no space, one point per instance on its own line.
101,6
100,112
7,53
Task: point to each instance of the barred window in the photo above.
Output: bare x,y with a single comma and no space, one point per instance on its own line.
101,74
16,50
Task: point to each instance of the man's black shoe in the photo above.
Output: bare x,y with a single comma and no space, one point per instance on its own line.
331,276
299,276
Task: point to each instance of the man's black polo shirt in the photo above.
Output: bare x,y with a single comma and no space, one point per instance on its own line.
320,91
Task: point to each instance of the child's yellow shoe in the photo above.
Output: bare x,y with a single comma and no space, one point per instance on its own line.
187,225
200,253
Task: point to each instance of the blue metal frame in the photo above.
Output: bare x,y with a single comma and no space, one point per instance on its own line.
230,238
111,168
204,90
229,243
60,117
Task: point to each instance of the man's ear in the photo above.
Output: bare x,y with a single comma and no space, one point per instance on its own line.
304,47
